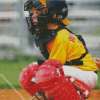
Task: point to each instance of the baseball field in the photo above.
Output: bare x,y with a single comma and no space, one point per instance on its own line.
9,80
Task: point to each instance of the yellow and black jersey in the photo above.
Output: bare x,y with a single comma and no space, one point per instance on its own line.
66,47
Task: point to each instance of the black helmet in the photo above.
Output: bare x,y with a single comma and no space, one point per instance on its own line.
59,7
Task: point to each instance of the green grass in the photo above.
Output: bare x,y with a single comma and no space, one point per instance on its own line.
11,71
98,84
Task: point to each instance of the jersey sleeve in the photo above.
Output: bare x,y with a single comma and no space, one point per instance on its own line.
57,48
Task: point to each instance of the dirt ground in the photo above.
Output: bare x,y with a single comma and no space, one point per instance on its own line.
23,95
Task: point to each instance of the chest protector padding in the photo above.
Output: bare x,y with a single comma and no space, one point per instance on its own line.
41,42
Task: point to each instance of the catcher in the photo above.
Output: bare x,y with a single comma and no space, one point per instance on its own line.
69,73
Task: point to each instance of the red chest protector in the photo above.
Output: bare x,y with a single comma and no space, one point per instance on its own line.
55,86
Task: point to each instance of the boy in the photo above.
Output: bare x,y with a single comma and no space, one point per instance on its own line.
69,67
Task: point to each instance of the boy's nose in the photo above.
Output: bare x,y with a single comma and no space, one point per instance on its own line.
34,18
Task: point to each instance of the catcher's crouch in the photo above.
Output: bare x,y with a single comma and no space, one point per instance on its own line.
69,72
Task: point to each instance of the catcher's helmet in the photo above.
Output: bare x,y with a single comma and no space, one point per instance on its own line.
59,7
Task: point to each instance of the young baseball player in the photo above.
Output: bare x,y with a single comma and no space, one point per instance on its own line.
69,66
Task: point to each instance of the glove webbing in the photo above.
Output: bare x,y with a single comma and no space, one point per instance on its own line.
38,95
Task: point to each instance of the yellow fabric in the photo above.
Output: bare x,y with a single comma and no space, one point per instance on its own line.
43,2
65,47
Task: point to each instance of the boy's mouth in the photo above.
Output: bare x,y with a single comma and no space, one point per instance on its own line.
35,23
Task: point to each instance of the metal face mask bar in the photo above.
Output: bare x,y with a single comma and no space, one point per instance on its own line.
33,3
41,24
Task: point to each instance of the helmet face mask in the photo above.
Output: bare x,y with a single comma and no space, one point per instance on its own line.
33,3
40,25
58,7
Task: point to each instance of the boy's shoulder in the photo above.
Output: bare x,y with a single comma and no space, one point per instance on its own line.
63,33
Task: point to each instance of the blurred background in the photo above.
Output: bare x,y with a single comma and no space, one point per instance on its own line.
15,38
17,48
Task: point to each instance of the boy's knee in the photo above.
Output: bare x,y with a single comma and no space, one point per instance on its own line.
27,74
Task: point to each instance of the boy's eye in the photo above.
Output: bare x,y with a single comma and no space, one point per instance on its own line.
38,12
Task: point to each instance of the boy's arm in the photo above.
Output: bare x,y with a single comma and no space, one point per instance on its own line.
97,61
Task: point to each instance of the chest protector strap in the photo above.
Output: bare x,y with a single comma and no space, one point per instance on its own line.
78,61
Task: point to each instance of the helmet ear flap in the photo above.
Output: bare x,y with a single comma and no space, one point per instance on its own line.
57,10
58,17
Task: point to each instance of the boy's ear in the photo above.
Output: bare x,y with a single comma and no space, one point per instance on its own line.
54,15
58,17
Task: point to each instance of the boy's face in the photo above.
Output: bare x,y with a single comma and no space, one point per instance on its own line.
35,13
34,16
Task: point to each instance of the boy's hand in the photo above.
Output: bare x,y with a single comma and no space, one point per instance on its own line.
97,61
